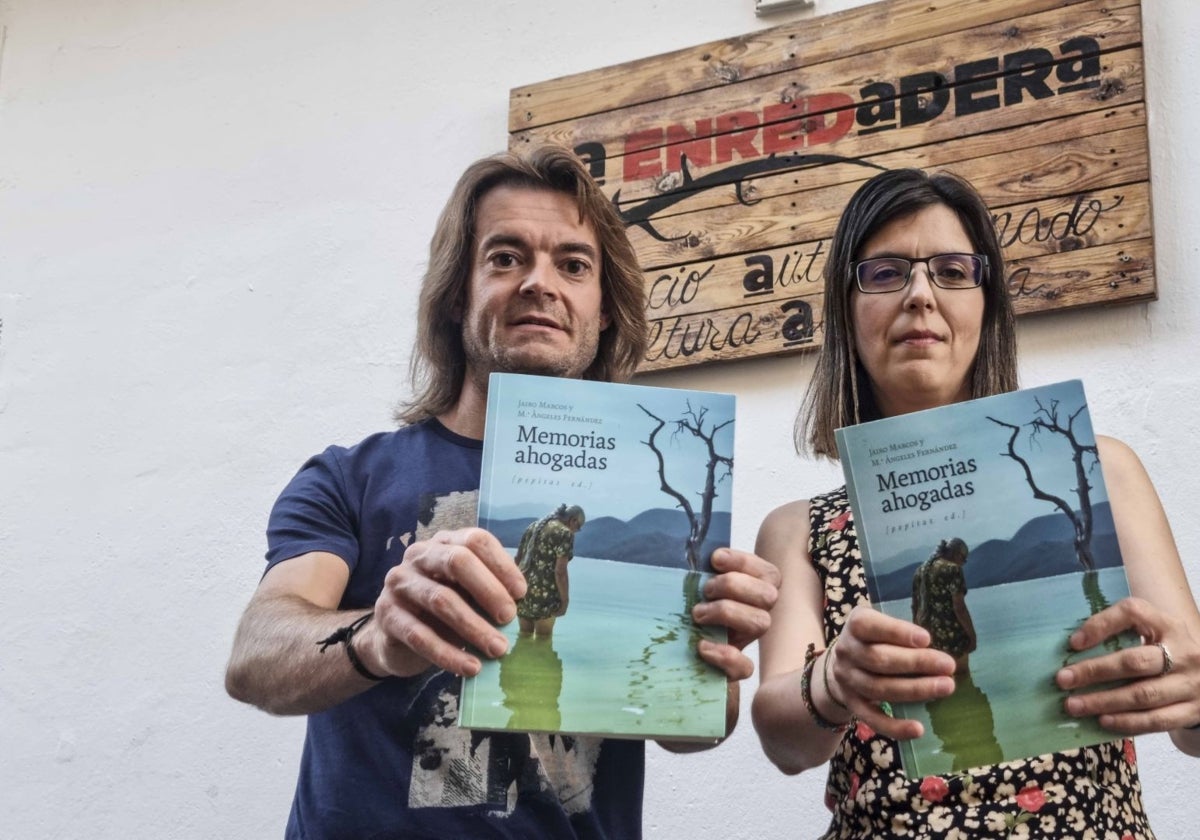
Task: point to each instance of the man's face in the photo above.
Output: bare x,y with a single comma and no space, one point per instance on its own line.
534,302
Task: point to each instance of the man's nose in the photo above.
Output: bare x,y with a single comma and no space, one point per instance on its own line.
539,279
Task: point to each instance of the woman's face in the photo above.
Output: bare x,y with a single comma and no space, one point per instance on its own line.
918,344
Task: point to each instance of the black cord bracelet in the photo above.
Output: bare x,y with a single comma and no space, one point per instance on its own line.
345,636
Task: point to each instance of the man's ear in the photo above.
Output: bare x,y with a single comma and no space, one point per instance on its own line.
456,312
605,321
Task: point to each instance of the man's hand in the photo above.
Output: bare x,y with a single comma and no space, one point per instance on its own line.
448,594
739,597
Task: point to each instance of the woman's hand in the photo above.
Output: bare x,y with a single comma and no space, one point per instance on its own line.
1163,674
879,659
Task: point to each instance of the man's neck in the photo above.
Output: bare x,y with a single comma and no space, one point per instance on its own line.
466,417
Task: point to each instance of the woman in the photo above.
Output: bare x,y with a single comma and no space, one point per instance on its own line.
547,545
939,602
918,316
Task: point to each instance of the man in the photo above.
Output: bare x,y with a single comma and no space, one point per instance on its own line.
546,547
377,589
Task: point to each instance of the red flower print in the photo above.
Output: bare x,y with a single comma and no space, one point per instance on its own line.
840,522
1130,752
830,802
864,732
1031,799
1127,837
934,788
854,780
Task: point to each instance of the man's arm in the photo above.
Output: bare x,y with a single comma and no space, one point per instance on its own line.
424,617
276,664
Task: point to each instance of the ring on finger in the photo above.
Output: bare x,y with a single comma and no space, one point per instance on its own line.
1168,663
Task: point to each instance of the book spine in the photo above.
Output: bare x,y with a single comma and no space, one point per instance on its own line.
908,754
487,472
846,447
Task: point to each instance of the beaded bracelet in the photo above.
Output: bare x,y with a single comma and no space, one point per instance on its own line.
810,659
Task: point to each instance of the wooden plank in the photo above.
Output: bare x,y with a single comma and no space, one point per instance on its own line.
1122,272
760,329
1117,273
1054,169
1044,226
929,156
1118,82
814,110
728,61
1073,222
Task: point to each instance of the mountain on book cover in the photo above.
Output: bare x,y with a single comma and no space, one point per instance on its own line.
611,499
988,523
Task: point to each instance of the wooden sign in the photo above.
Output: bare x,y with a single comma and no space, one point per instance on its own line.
732,161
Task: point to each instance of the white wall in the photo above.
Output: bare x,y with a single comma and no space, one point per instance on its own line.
213,218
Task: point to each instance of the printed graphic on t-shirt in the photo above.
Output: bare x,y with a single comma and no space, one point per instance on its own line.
454,767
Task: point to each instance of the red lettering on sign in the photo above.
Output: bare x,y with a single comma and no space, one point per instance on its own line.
642,159
732,137
697,147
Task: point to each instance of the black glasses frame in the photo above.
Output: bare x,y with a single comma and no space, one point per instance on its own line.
856,270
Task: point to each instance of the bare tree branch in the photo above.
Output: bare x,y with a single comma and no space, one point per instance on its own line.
692,423
1046,419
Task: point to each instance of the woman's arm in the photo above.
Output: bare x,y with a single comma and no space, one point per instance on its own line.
563,583
876,658
964,619
1163,611
790,738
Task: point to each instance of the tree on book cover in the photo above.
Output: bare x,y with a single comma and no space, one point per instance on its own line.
611,499
988,523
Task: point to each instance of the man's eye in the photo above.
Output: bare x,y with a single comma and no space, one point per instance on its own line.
503,260
575,267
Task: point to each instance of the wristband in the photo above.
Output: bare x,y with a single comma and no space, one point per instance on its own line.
345,637
810,659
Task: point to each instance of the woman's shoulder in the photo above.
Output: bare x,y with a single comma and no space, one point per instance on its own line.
786,517
781,526
1120,463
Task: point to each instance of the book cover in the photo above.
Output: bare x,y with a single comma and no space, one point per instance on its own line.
988,523
604,642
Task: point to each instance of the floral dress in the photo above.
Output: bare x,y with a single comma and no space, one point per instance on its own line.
935,586
1091,792
541,545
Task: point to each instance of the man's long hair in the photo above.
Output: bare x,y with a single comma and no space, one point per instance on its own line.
438,363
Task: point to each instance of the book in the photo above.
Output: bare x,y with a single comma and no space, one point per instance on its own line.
1013,484
649,472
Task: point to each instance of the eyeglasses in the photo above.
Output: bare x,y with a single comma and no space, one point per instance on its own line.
946,271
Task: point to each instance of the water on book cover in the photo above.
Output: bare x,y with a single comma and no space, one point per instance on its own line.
625,662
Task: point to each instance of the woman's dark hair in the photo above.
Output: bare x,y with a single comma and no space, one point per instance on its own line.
839,393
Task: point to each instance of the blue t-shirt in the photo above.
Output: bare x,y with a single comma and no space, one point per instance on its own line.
391,762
